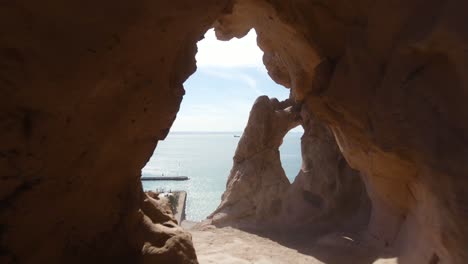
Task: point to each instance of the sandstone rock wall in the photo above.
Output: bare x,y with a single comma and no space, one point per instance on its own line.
325,194
388,77
257,181
88,88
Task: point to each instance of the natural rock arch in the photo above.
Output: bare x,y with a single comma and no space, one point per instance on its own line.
326,193
88,88
257,181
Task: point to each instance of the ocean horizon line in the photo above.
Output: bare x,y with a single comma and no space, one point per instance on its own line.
216,132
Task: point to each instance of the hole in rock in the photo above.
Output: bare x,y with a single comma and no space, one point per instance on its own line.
290,153
230,76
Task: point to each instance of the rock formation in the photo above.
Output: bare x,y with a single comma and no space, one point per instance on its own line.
388,78
86,91
88,88
160,238
258,194
257,181
326,193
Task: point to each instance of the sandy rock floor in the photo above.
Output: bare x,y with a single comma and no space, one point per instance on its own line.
229,245
233,246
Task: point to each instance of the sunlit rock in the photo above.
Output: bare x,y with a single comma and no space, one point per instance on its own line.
89,87
326,192
257,181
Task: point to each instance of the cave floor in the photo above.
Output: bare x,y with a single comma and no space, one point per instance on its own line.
233,246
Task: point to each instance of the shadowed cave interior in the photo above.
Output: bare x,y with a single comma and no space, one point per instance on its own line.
384,82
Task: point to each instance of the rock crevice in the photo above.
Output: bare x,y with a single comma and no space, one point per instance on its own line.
325,193
88,88
257,180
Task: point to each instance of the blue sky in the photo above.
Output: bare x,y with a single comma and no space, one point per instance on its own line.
230,76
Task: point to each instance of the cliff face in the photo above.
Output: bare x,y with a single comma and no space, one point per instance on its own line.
257,181
388,78
88,88
326,193
86,91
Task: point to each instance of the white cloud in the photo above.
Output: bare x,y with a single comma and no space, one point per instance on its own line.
203,109
230,116
228,62
251,82
242,52
234,75
209,123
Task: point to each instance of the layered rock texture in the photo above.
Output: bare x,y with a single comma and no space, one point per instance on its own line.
325,193
257,181
86,91
87,88
160,237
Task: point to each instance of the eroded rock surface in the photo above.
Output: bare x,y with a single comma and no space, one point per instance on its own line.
390,79
86,91
325,193
88,88
257,181
160,237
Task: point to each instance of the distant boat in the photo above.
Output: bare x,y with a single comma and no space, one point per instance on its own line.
236,136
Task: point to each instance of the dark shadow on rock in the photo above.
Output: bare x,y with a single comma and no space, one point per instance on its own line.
332,248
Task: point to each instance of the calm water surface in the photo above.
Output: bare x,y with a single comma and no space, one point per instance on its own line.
206,158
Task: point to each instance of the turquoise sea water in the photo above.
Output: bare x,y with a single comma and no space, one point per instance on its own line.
206,158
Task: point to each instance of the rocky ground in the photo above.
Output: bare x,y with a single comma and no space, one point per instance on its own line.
88,88
233,246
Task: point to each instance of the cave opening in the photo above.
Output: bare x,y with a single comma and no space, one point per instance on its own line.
278,184
88,89
203,139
